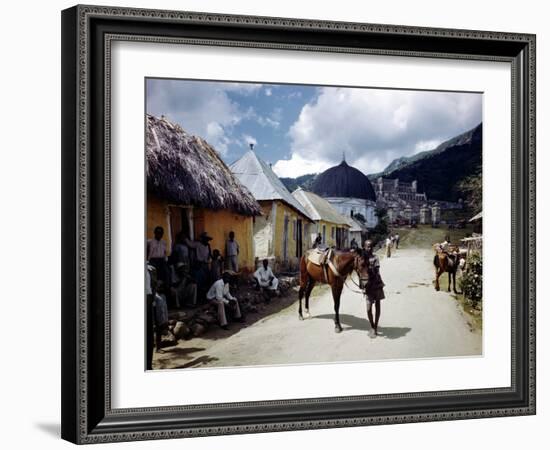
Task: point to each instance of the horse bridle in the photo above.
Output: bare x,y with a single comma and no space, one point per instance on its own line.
356,270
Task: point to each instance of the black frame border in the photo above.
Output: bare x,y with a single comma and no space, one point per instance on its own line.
87,31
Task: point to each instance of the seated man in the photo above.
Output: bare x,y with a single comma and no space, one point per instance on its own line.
184,288
160,313
220,295
216,265
264,277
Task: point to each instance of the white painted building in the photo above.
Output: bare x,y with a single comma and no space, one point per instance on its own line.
349,191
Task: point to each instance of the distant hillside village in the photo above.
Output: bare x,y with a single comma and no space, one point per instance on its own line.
192,192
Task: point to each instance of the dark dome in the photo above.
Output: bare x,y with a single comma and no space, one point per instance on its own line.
343,181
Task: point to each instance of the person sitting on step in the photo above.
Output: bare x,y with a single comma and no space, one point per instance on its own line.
219,295
264,277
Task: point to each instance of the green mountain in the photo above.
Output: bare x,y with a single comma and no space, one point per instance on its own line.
440,171
303,181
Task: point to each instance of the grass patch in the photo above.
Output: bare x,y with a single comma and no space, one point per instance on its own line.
425,236
473,314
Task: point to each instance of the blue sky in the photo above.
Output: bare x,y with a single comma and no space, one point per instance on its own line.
306,129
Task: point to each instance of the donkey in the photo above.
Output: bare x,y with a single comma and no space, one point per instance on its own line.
446,262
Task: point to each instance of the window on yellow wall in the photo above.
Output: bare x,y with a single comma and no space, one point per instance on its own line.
294,228
332,232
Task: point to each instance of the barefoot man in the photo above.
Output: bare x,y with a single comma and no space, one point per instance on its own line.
375,287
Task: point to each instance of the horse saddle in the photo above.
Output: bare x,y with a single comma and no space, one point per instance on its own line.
319,256
323,258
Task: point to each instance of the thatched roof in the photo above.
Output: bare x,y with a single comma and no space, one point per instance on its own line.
186,170
262,182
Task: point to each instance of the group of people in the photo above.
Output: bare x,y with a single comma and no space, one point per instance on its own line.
191,267
392,241
192,273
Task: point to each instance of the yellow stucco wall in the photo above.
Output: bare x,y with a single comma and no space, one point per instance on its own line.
269,233
218,224
329,239
283,210
157,215
263,231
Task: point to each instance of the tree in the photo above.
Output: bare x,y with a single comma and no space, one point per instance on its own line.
380,231
359,217
471,188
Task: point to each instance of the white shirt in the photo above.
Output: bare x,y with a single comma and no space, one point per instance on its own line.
264,274
202,251
219,290
148,290
232,247
156,249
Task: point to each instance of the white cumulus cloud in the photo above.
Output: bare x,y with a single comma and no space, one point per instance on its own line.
249,140
201,108
297,165
374,126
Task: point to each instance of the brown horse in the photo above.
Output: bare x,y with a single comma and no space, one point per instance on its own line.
345,263
446,262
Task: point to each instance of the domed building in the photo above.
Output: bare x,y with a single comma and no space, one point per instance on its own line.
348,190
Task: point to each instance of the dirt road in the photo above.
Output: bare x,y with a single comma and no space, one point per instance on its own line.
416,322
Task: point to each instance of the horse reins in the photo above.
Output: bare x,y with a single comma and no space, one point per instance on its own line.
332,267
353,281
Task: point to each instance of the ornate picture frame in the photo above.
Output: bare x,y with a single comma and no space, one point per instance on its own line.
87,35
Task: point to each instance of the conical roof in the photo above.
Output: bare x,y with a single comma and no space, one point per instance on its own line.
259,178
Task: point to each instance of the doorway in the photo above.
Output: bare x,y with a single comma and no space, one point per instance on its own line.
299,245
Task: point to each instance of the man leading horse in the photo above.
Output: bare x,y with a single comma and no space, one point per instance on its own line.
333,268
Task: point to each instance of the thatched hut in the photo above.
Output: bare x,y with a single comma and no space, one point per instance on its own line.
190,189
280,232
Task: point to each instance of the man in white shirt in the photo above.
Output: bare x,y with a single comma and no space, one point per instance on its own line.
264,277
388,247
156,255
220,295
232,253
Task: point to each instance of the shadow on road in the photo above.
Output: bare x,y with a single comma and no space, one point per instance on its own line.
163,359
201,360
393,332
180,352
350,322
263,311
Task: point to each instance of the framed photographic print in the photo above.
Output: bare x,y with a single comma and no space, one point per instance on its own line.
283,224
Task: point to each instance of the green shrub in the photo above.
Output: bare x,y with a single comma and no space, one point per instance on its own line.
472,279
